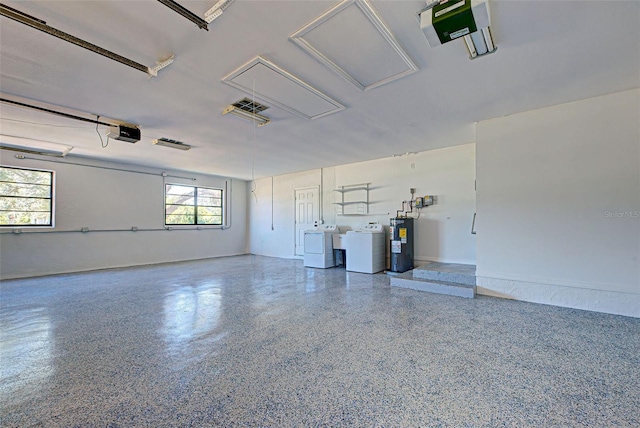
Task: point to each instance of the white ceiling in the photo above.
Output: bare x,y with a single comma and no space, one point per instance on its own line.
549,52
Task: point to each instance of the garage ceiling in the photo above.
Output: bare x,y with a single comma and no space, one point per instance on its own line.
548,53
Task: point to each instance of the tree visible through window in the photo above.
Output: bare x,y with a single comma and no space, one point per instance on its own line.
26,197
192,205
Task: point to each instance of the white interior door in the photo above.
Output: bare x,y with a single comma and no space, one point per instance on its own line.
307,213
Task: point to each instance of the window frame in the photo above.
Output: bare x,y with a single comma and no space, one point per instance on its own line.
52,199
195,206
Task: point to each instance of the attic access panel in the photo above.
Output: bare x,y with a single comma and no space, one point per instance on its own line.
279,87
353,41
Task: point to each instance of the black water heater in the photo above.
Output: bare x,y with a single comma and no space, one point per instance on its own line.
401,233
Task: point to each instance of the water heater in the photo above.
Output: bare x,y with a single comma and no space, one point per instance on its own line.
401,234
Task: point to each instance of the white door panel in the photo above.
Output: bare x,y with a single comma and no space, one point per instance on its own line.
307,202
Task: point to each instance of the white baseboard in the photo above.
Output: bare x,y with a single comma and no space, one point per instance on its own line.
112,267
610,302
422,259
541,279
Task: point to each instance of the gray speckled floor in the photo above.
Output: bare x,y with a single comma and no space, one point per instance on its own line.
254,341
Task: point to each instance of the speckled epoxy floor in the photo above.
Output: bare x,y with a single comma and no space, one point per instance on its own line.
255,341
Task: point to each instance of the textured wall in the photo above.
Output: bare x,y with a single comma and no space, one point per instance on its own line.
443,231
106,199
559,204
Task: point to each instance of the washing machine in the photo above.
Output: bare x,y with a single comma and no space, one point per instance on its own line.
366,249
318,246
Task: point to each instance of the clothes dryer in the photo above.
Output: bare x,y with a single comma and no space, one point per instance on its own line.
318,246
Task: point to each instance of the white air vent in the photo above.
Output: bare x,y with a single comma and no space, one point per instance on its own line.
251,106
166,142
280,88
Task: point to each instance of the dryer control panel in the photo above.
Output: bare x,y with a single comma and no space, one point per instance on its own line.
373,228
328,228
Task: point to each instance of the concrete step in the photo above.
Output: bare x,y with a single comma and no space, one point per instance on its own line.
447,272
407,280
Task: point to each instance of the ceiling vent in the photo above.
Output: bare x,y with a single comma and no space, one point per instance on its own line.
280,88
248,109
166,142
251,106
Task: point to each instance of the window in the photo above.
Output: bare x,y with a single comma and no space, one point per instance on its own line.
26,197
192,205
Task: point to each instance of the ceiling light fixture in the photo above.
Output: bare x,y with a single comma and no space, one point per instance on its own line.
41,25
216,10
165,142
444,21
33,147
236,111
201,23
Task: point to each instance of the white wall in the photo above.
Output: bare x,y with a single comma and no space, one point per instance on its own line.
106,199
559,203
279,242
443,232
